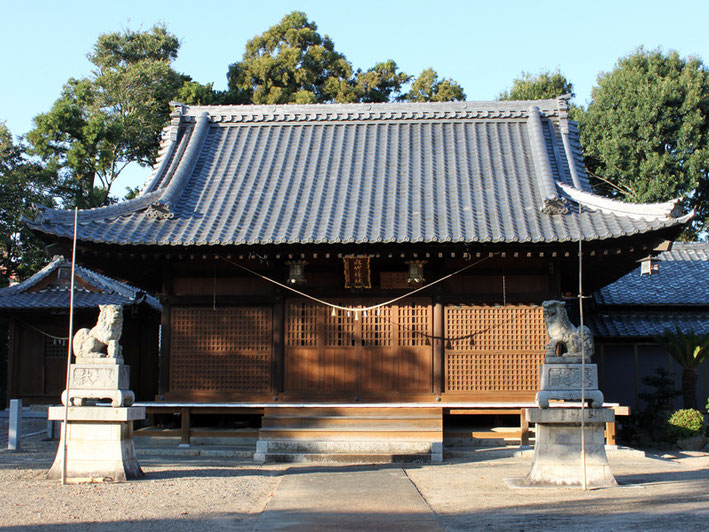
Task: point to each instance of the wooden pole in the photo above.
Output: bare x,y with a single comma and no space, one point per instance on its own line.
68,353
583,362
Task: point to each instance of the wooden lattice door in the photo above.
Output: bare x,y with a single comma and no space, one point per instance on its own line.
491,352
340,353
221,350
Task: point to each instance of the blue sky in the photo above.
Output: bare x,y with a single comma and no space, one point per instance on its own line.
483,45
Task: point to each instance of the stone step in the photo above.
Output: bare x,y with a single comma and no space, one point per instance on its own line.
238,453
347,447
347,451
346,458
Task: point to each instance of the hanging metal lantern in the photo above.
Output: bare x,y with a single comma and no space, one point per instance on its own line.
416,271
296,272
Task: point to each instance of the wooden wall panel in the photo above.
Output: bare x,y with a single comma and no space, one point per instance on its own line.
225,349
494,349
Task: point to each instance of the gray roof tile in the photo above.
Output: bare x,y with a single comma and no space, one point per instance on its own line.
682,279
364,173
676,296
647,324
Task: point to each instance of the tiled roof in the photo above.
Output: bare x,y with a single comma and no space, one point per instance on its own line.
682,279
91,289
675,296
648,324
365,173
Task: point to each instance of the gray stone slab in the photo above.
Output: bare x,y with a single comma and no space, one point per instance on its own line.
98,413
15,428
569,415
347,498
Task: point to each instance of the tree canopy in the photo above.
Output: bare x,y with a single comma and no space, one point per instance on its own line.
538,87
428,88
292,63
101,124
646,132
22,183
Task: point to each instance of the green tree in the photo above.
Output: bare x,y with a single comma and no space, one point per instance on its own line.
195,93
645,133
291,63
689,350
101,124
22,183
428,88
381,83
538,87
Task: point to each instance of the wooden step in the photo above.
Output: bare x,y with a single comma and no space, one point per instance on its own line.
350,434
351,422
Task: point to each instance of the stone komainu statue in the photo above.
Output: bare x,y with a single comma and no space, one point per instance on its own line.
101,342
562,332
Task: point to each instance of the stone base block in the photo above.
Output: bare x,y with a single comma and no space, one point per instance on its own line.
104,380
80,396
99,443
562,381
569,415
558,458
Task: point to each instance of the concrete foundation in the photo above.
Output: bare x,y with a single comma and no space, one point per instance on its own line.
557,451
99,443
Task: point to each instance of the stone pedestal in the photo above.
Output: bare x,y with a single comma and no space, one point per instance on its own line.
99,380
557,450
561,380
99,442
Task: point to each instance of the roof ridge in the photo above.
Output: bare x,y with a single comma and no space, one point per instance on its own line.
367,111
552,202
34,279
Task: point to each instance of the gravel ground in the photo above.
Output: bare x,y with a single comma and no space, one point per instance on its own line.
660,492
177,494
656,493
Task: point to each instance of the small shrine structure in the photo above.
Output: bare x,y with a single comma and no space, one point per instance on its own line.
37,311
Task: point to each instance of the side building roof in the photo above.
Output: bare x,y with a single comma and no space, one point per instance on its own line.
674,296
49,289
468,172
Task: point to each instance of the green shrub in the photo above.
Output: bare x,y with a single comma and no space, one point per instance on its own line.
685,424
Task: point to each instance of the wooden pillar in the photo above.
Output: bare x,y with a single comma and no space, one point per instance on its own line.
438,317
523,428
164,358
11,360
185,426
279,335
610,433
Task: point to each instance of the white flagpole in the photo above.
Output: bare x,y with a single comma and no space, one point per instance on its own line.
68,354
